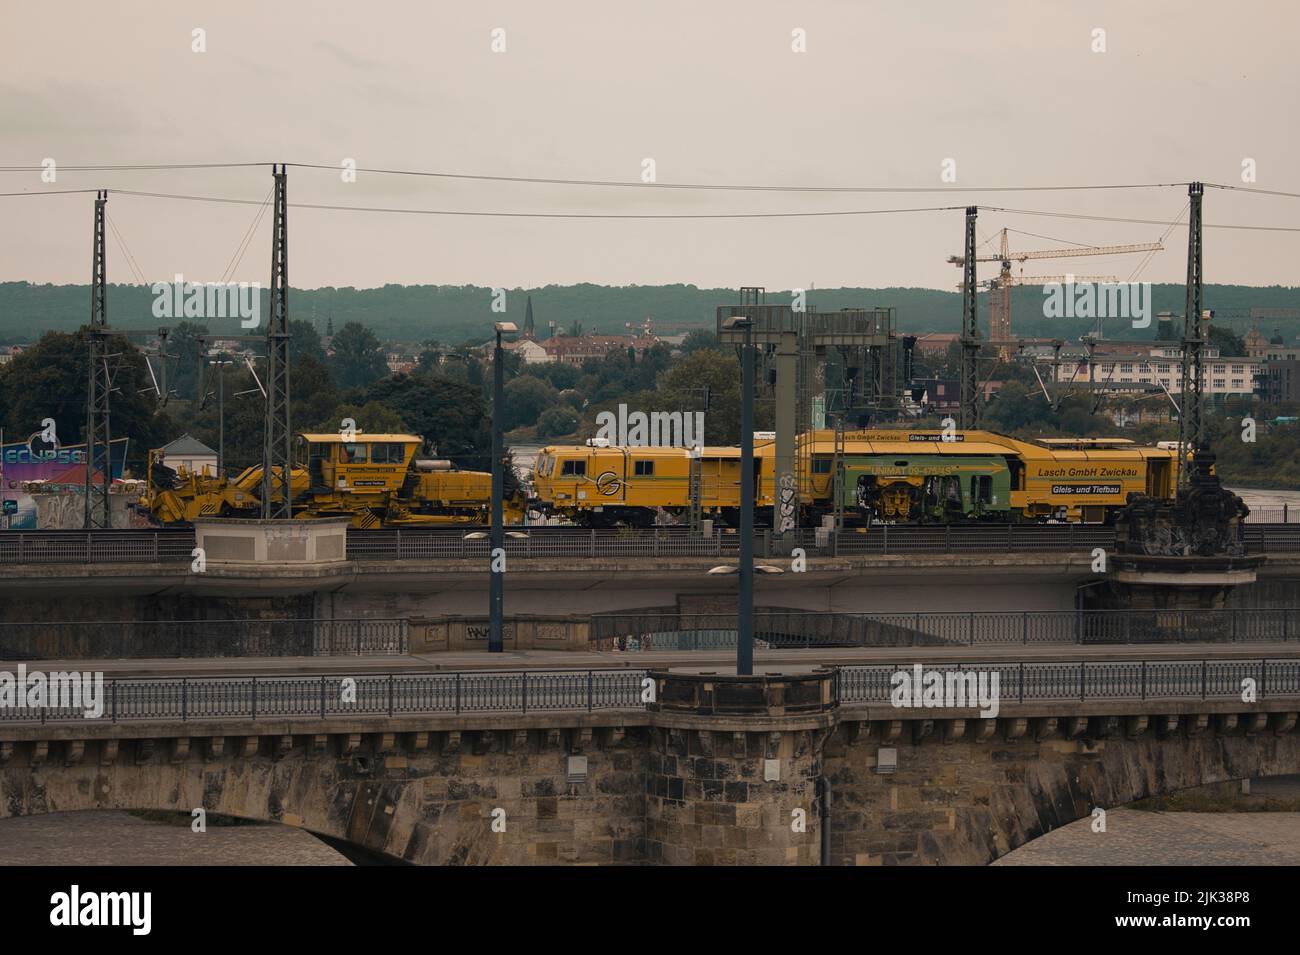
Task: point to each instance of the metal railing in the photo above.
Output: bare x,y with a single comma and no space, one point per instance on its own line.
427,544
172,546
1084,681
96,547
1274,514
390,695
793,629
129,639
220,698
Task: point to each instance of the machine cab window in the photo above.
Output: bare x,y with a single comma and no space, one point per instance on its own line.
387,453
574,469
353,454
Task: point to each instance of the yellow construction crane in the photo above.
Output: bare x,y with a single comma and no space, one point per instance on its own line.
1000,288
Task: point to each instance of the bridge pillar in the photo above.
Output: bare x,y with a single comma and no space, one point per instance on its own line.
734,768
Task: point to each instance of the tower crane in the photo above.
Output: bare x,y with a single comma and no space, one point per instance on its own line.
1000,288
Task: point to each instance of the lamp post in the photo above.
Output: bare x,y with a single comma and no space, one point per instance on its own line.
496,552
221,364
745,611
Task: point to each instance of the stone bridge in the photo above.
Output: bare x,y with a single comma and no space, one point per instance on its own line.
806,766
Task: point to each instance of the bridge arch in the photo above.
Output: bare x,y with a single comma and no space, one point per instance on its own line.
970,801
253,788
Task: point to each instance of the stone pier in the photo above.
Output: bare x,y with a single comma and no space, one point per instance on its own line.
733,764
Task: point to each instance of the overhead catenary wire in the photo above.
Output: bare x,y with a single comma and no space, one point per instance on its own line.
1164,222
634,184
48,192
1146,259
599,183
246,241
1252,189
127,255
668,215
541,215
135,167
728,187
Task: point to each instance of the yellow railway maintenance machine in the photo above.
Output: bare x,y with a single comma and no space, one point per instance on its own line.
968,476
376,479
897,476
604,485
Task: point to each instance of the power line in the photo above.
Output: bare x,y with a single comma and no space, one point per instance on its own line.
1162,222
541,215
599,183
673,215
615,183
244,243
1257,191
48,192
126,250
730,187
131,167
1146,260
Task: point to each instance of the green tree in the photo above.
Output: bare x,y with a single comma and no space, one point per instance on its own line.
451,416
679,389
557,421
186,342
374,417
429,360
1016,407
1230,344
526,397
559,374
312,390
699,338
304,340
358,358
49,380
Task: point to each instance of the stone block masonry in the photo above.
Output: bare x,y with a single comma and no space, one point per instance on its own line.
695,780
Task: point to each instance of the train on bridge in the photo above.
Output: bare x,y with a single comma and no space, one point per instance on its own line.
860,477
378,480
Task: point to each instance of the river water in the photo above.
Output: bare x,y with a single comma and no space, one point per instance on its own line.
119,838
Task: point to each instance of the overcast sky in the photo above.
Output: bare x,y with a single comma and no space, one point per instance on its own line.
712,91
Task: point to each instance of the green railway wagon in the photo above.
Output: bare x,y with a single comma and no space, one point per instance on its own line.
927,488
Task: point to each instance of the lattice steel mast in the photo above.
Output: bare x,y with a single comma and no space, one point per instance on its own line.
277,435
1190,420
970,333
98,512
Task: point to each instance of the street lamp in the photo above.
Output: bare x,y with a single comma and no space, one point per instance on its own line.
745,615
495,548
221,363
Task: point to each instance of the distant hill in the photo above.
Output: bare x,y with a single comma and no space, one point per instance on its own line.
453,314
